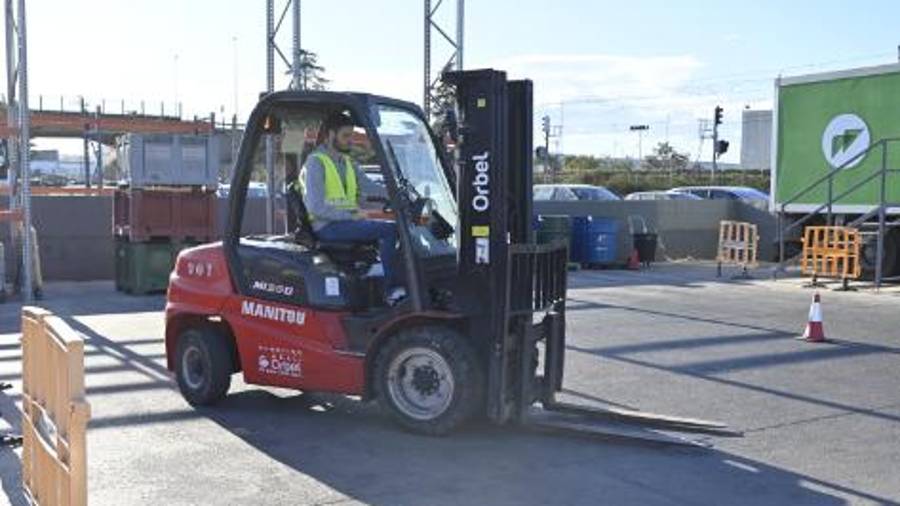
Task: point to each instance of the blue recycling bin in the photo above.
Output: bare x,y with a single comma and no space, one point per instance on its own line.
595,240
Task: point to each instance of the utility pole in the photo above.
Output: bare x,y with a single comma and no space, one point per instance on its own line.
562,122
545,127
99,151
12,117
703,132
175,79
19,173
234,73
86,155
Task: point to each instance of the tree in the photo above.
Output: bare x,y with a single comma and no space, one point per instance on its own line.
312,75
665,158
443,99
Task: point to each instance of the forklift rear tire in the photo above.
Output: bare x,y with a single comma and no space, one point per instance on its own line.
203,366
429,379
890,255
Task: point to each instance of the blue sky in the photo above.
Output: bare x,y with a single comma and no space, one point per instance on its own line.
611,64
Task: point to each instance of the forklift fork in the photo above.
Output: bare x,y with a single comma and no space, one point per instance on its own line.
606,422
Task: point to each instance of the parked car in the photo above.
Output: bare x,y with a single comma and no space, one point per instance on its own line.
745,194
661,195
573,192
256,190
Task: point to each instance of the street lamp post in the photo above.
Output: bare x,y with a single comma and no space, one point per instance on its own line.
640,129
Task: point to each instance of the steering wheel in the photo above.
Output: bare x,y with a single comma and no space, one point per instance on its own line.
417,207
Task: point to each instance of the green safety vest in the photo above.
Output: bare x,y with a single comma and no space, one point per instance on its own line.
339,194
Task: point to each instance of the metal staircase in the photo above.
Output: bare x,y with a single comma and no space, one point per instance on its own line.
873,221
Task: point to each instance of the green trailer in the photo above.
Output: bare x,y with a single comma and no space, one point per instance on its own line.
836,148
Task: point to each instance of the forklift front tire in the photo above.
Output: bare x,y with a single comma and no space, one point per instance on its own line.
429,379
203,366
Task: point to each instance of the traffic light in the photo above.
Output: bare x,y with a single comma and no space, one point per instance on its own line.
721,147
718,116
545,124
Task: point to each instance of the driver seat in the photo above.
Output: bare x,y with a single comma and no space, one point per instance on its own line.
356,256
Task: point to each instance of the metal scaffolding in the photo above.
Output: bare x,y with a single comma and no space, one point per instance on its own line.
455,60
294,65
19,141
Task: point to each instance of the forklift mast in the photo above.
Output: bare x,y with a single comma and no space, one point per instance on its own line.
515,289
496,240
494,165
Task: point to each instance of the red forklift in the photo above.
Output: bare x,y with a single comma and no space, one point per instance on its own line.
481,332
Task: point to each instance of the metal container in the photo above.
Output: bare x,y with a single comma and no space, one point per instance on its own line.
169,160
144,267
552,228
595,241
644,239
645,244
175,214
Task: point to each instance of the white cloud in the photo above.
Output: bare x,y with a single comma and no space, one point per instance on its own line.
404,85
604,94
567,76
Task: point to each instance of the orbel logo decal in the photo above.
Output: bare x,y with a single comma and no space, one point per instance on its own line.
481,201
280,361
278,314
277,289
845,138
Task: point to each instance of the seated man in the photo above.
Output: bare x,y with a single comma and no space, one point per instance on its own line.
331,186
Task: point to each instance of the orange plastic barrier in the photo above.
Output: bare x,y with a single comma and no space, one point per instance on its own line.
55,413
831,252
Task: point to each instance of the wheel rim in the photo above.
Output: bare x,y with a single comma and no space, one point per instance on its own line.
870,254
193,367
420,382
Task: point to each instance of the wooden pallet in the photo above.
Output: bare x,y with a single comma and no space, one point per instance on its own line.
831,252
738,244
54,411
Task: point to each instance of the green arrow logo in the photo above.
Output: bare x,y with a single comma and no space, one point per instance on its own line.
842,141
845,140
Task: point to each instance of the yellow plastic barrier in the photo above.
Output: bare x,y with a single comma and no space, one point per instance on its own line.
55,413
831,252
738,245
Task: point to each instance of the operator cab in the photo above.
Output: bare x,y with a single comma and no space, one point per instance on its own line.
393,144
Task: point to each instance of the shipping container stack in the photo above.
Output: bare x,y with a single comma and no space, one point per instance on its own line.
168,203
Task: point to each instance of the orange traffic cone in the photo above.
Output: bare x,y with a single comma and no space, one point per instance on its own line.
634,262
815,332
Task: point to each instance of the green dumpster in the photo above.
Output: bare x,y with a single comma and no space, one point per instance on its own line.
144,267
552,228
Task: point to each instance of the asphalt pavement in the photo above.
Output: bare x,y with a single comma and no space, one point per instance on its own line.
821,421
